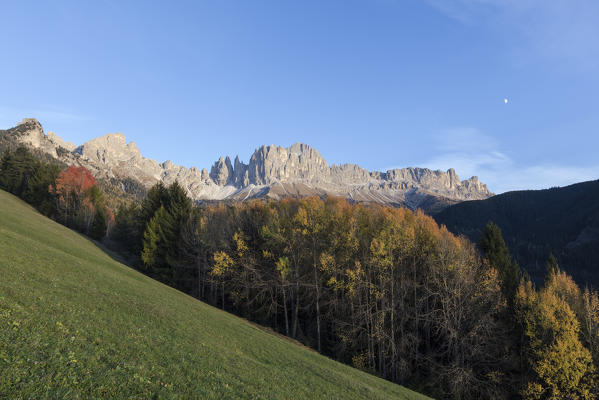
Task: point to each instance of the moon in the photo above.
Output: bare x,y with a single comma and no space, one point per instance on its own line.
505,100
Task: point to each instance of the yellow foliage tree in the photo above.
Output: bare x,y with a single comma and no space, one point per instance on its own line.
561,367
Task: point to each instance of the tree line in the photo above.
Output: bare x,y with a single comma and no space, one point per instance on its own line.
71,195
384,289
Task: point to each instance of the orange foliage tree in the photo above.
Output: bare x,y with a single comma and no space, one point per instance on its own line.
73,187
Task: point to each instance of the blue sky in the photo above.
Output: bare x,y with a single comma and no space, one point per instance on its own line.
381,83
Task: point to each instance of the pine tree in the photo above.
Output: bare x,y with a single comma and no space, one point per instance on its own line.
179,208
39,191
128,231
17,168
157,196
98,227
158,238
178,205
163,215
552,266
497,254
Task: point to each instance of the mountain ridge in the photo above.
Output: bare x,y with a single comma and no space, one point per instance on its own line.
272,171
563,221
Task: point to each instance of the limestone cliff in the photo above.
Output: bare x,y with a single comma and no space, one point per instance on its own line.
272,171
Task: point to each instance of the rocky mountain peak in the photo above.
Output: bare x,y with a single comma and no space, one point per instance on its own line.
222,171
52,137
32,123
272,171
30,132
300,148
109,149
300,162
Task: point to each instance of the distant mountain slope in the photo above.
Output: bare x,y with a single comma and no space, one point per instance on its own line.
272,171
74,323
564,221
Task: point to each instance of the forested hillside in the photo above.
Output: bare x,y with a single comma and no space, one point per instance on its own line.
75,323
383,289
563,221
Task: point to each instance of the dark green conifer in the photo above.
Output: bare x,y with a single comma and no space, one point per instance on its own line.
128,230
159,237
552,267
98,228
17,168
157,196
38,191
496,252
179,205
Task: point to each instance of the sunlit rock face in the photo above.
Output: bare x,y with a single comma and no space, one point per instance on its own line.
272,172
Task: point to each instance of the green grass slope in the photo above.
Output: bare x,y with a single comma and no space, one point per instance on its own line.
74,323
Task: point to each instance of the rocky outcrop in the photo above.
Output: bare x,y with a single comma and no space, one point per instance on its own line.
222,172
30,132
300,162
272,171
109,149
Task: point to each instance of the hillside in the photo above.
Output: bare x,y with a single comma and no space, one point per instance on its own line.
77,324
564,221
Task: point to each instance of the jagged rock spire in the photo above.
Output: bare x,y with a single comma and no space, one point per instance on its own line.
274,171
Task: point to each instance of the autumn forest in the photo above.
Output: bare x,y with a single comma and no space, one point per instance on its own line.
386,290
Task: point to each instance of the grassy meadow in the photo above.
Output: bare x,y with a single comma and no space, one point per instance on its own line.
75,323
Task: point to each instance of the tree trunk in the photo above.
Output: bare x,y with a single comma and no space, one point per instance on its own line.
223,295
393,349
285,311
317,287
295,317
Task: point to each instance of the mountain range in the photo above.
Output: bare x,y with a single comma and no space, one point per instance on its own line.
272,172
